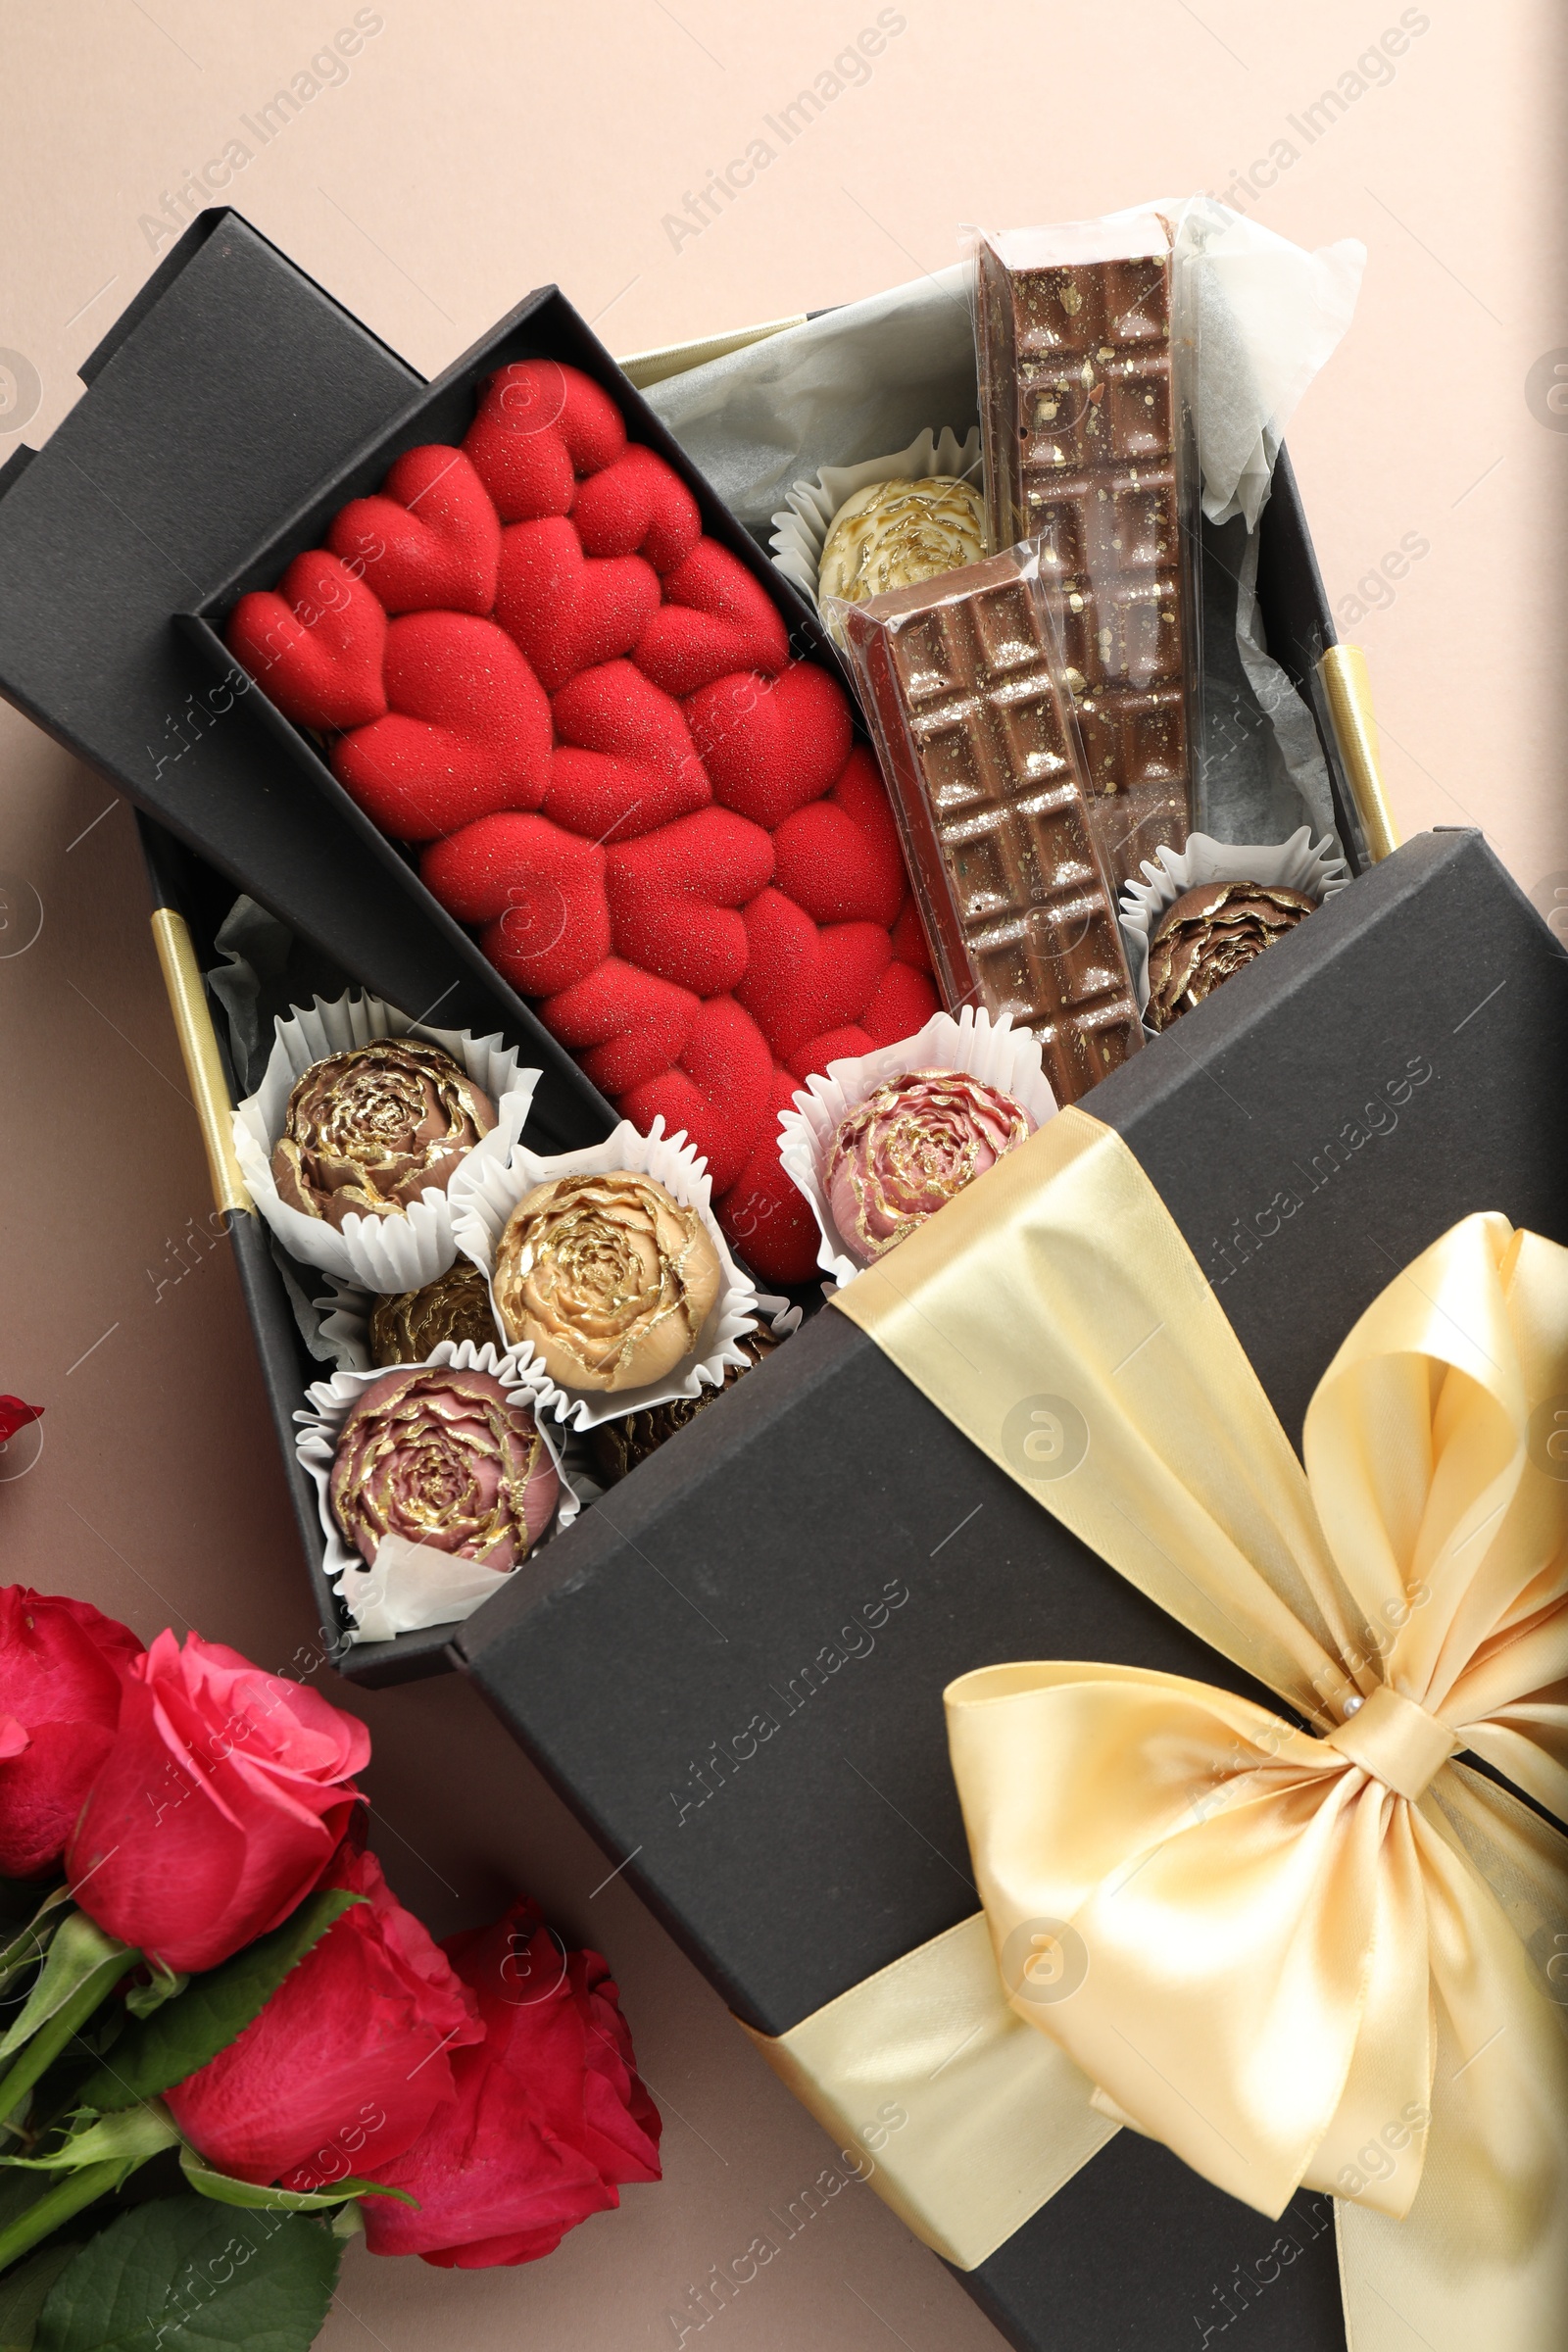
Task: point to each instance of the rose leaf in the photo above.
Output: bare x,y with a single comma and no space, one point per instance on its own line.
183,2274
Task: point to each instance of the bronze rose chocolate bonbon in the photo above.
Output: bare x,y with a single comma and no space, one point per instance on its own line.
618,1447
1210,932
408,1326
1082,436
370,1129
961,683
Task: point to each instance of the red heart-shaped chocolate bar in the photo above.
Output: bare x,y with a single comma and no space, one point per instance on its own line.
801,981
718,1092
565,612
316,644
655,820
612,799
467,733
770,745
538,427
615,709
637,506
624,1025
670,895
716,620
540,893
429,537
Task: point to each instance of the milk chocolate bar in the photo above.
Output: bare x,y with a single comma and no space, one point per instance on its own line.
960,679
1081,433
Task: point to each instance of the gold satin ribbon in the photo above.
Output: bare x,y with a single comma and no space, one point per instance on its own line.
1335,1959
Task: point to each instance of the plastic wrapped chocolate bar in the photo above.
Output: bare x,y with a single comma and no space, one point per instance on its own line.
962,681
1084,454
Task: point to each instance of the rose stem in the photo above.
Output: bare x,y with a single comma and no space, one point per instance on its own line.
68,2197
54,2033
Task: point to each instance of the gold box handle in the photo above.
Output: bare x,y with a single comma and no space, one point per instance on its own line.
1344,672
198,1048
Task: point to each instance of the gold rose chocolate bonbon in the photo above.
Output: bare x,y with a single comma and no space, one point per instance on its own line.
408,1326
608,1277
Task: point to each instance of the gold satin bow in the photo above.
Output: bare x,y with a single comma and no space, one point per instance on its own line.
1326,1960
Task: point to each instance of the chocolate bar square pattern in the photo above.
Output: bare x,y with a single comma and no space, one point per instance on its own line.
980,748
1079,416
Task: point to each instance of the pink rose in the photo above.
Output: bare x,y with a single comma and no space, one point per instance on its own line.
221,1802
901,1154
62,1666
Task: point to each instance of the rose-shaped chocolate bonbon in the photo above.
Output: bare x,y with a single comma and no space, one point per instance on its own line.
892,534
903,1152
370,1129
618,1447
609,1277
1209,933
447,1459
408,1326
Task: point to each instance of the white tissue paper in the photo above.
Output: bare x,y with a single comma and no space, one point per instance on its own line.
409,1586
1299,864
991,1051
375,1253
1260,317
484,1197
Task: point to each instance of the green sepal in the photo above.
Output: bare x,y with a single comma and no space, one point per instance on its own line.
128,2136
167,1985
226,2192
31,1942
83,1967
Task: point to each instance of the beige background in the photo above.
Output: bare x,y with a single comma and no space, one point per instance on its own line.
472,152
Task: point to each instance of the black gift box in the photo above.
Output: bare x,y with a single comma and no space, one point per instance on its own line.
824,1554
228,413
820,1551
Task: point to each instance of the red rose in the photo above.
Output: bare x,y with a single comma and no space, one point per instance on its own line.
349,2058
62,1666
15,1415
549,2113
219,1804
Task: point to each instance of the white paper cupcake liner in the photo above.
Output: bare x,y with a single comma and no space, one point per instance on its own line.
1299,864
802,524
412,1585
991,1051
375,1253
486,1195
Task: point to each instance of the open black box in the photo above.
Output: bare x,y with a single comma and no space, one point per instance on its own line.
191,469
825,1487
826,1553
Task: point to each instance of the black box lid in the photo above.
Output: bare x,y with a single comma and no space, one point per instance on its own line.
829,1552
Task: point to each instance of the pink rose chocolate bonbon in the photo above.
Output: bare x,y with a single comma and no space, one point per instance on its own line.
444,1458
900,1156
531,665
